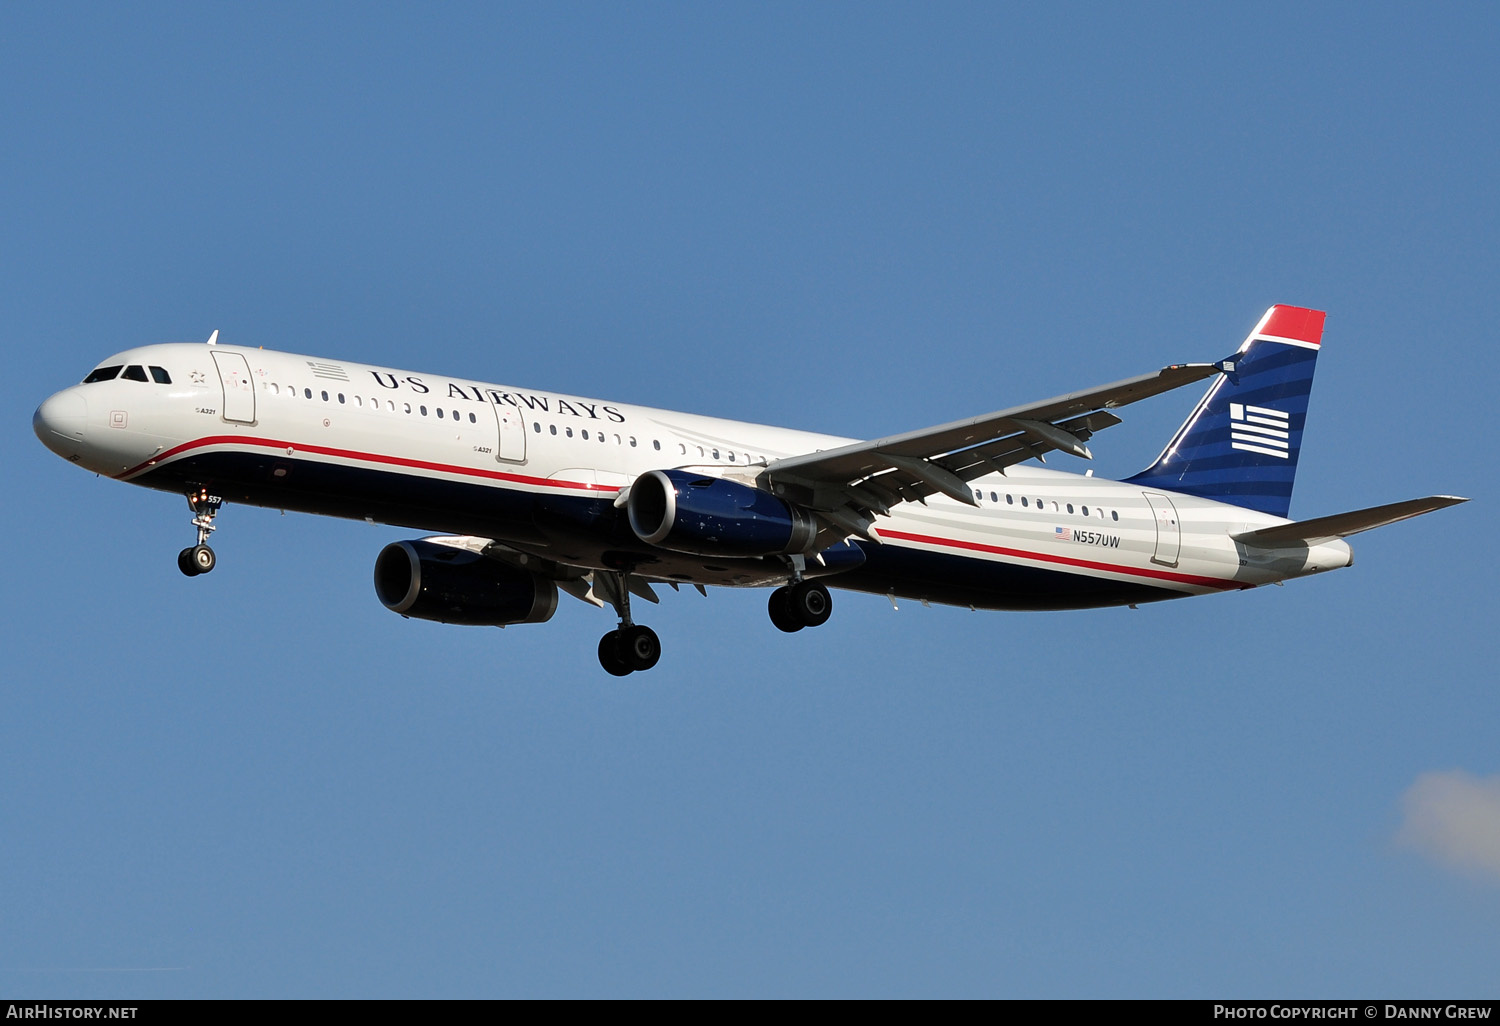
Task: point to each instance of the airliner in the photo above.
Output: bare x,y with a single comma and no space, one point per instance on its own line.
533,492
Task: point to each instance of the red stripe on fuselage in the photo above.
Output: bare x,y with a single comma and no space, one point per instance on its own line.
541,482
1088,564
366,457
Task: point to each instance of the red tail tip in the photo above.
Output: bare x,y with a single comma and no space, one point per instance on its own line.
1294,322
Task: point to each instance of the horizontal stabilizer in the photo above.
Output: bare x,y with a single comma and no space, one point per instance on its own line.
1342,525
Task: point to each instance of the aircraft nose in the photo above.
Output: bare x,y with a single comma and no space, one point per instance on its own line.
59,422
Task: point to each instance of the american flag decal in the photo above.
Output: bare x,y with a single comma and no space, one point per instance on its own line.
1260,429
1063,533
332,371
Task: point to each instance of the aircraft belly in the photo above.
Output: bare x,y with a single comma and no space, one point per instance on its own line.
951,579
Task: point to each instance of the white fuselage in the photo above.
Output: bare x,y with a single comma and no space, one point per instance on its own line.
539,471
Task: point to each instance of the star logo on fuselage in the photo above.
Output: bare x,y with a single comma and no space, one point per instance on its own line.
197,377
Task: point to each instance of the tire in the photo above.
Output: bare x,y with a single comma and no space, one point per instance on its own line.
611,656
810,603
640,648
186,565
780,608
203,558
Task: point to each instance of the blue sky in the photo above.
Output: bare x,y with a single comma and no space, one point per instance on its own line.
854,218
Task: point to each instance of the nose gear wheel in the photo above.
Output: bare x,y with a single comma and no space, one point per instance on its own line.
200,559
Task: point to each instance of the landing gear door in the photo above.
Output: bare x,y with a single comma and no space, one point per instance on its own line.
512,448
239,387
1168,529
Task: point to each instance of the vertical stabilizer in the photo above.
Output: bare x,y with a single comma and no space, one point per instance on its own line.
1240,445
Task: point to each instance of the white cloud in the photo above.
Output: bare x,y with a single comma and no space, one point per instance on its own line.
1454,818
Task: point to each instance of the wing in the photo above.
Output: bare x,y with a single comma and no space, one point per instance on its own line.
849,485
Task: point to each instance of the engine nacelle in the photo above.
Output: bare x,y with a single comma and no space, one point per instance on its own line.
436,582
708,516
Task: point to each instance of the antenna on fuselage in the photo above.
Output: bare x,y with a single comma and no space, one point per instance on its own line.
213,339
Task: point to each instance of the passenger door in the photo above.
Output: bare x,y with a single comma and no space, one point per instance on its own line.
239,387
1168,530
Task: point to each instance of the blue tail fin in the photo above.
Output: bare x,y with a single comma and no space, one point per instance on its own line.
1240,445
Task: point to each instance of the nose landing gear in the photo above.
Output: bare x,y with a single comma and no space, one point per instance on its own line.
200,559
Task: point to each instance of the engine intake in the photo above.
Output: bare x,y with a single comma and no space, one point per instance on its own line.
709,516
437,582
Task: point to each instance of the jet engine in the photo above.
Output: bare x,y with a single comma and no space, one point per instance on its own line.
437,582
709,516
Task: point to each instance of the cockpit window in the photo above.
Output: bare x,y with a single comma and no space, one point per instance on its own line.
134,372
103,374
160,376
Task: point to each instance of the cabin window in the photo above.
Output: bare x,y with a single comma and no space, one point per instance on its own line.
160,376
994,498
1070,507
568,431
552,428
1023,500
656,445
407,406
341,398
103,374
1010,500
359,400
1085,511
134,373
307,392
423,410
325,397
585,433
716,454
275,388
473,419
1114,515
632,441
440,413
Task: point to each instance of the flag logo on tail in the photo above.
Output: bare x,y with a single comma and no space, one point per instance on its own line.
1259,429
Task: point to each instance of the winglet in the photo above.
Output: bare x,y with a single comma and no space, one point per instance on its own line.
213,339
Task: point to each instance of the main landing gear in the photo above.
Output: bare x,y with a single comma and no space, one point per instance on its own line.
804,604
200,559
801,603
631,646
